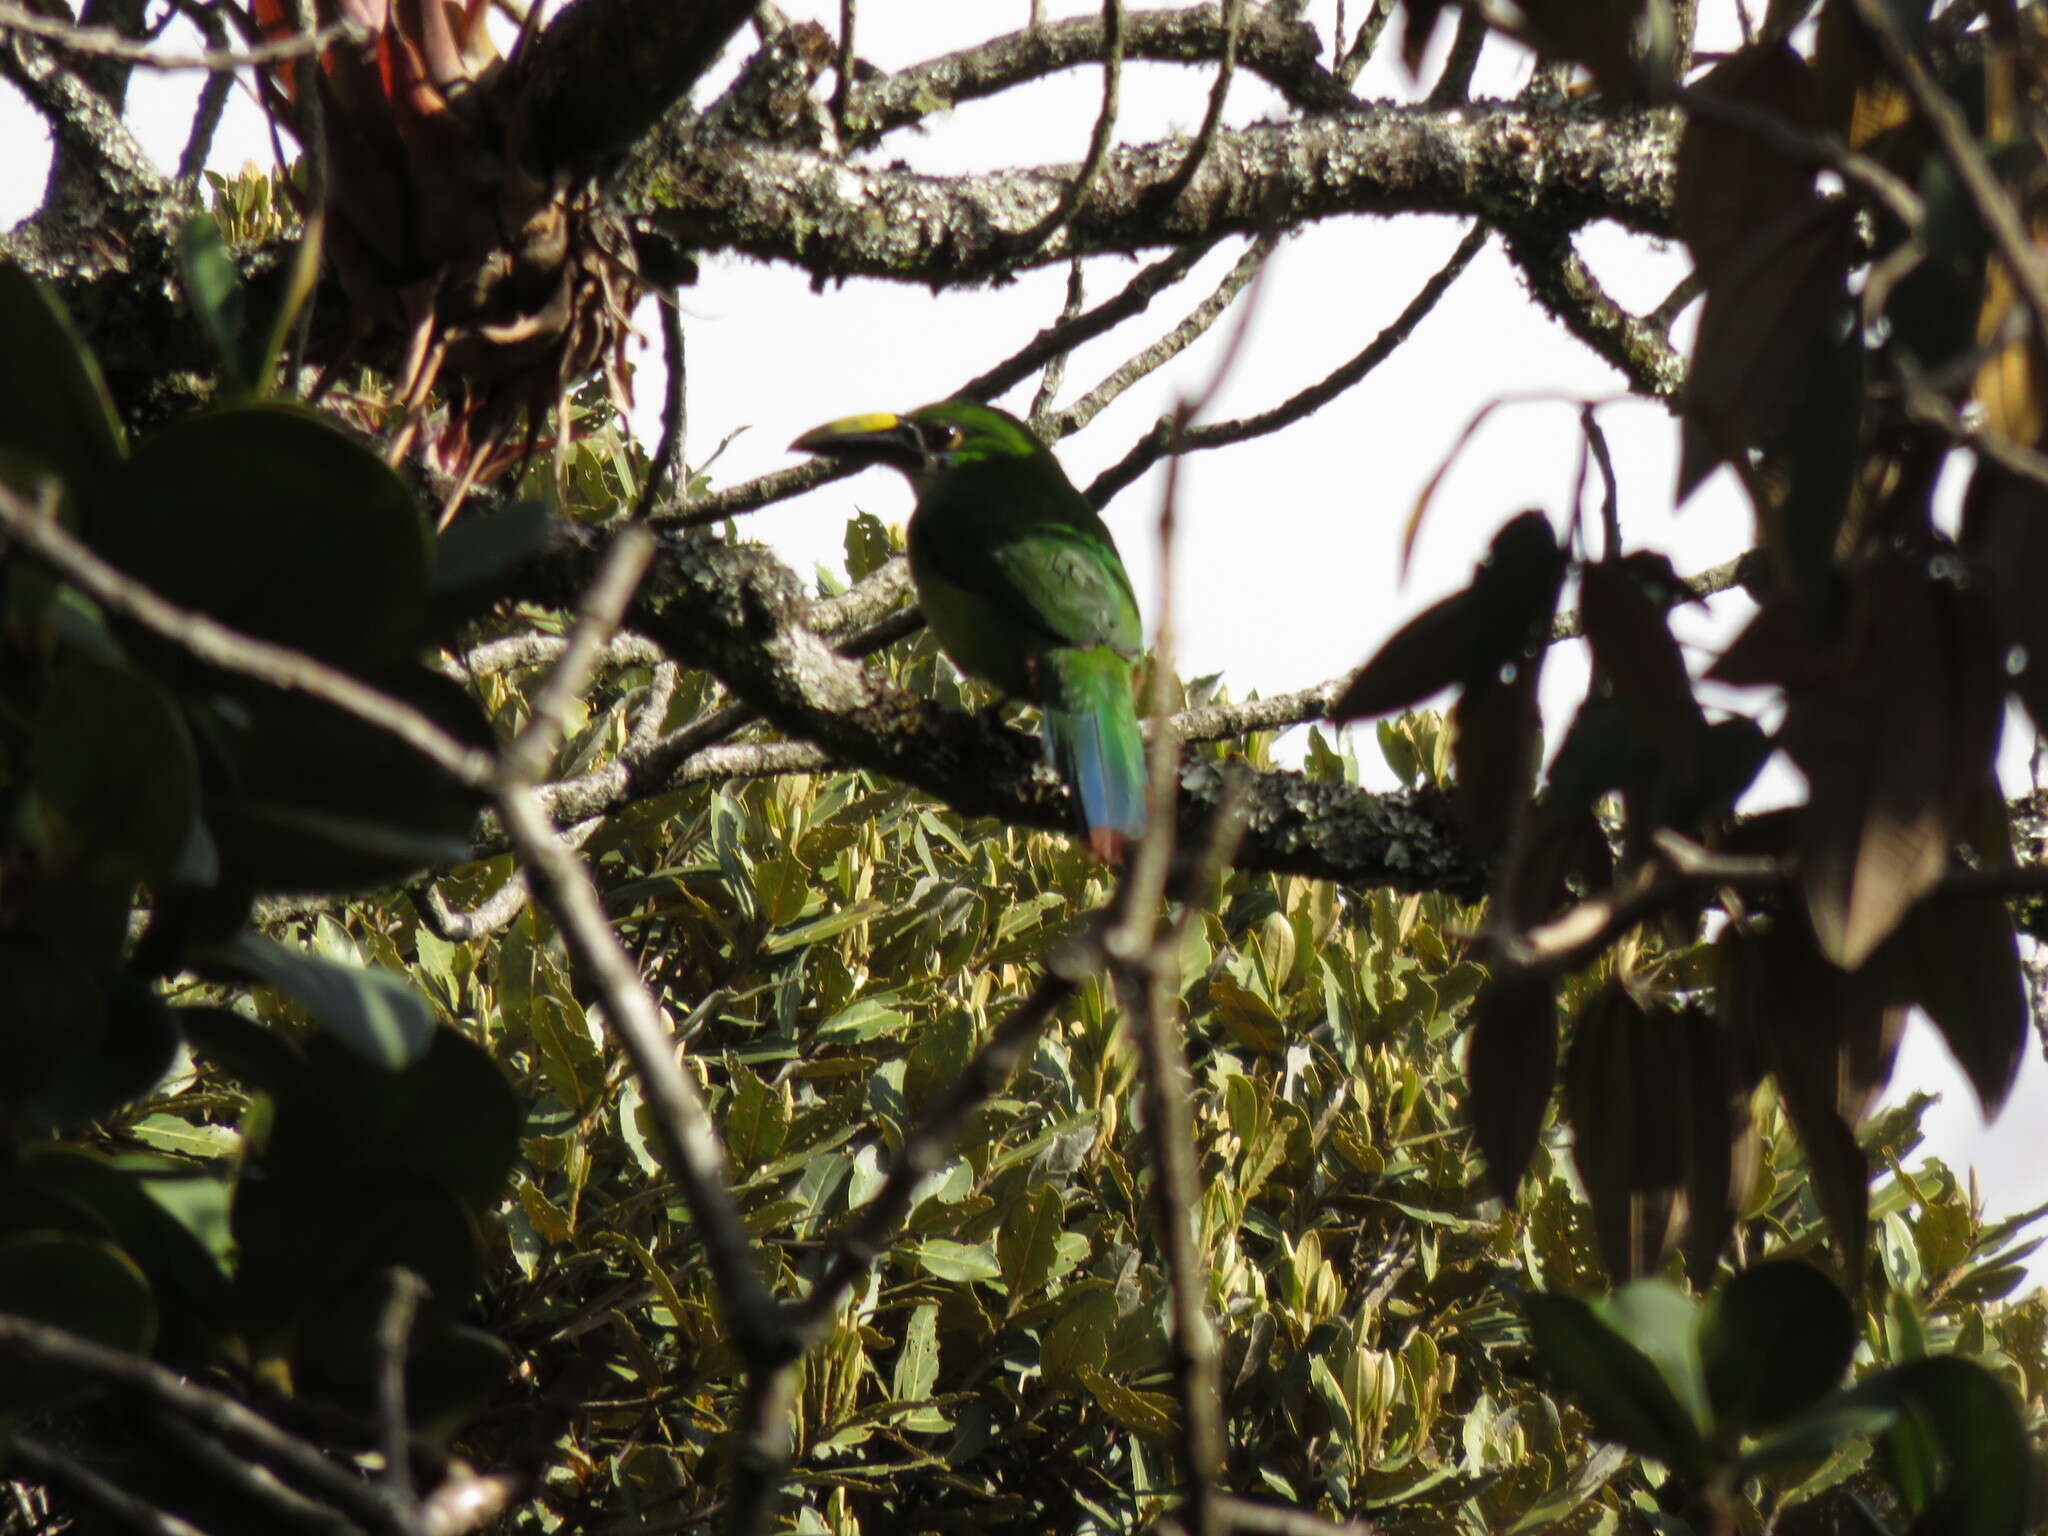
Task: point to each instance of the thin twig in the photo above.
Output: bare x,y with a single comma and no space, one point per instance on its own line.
1148,450
1360,53
842,87
254,1487
212,103
106,43
50,1465
682,1122
1057,340
674,404
224,1418
525,758
1212,116
1454,86
1076,191
1173,343
394,1333
1056,365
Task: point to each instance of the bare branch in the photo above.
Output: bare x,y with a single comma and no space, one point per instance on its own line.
1163,439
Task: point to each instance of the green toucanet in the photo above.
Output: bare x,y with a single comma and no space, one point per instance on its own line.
1021,582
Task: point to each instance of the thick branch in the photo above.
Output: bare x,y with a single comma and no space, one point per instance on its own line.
1511,164
606,71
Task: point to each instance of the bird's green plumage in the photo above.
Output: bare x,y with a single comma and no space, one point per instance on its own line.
1021,582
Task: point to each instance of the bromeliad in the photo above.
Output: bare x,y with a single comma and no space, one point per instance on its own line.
1021,582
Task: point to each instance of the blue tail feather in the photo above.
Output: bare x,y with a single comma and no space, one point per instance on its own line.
1091,728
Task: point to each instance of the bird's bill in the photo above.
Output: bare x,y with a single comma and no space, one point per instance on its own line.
878,439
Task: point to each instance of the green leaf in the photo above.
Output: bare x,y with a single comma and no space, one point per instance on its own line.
321,801
371,1011
130,1057
219,303
1028,1244
1628,1396
917,1362
474,555
958,1262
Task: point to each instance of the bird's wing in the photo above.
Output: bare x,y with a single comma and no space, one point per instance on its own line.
1060,583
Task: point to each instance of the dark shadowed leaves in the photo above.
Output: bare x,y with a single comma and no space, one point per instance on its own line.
318,800
1768,329
1893,751
115,782
81,1284
1510,1069
55,415
1953,1410
2005,534
1621,1087
278,522
1774,1340
1627,44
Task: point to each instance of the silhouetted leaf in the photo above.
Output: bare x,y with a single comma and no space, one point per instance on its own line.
321,801
1764,326
213,289
1970,1417
1961,963
131,1056
1633,648
1470,636
1510,1066
1893,753
1628,44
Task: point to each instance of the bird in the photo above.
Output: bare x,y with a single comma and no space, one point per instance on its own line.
1022,584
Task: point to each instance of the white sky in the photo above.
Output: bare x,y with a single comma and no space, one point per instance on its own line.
1285,567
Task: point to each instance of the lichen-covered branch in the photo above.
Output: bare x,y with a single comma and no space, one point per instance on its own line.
1563,284
1554,167
740,614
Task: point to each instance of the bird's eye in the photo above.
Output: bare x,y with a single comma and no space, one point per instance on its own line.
951,438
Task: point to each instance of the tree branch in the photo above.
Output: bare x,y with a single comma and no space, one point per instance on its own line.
1510,163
